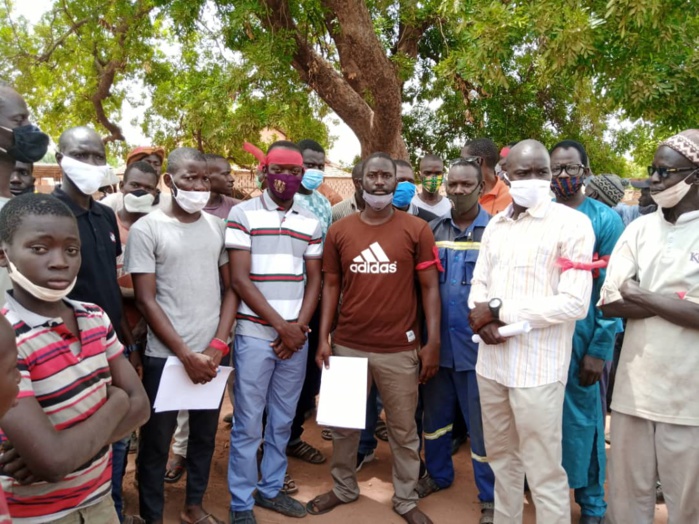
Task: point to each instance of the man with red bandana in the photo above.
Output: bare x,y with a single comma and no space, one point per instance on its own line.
275,250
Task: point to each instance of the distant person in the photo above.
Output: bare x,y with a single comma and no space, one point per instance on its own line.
406,191
78,394
431,178
645,205
354,203
221,201
607,189
496,195
314,158
153,155
22,179
20,141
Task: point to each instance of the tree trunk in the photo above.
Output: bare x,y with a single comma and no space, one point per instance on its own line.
366,93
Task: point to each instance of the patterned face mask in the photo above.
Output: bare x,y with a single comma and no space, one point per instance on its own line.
566,187
432,183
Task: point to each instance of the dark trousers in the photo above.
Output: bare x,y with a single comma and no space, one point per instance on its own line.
311,385
154,446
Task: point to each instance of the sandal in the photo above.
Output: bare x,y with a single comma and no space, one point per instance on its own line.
415,516
381,431
326,434
304,451
209,518
289,486
176,467
324,503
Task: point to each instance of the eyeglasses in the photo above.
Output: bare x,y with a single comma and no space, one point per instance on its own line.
571,169
665,172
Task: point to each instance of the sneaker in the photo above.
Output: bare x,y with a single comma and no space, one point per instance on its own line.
487,513
426,486
282,503
364,458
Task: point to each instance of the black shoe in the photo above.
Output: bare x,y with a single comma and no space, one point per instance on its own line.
282,503
586,519
242,517
364,458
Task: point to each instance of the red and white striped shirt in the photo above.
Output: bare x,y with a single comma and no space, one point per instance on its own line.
69,379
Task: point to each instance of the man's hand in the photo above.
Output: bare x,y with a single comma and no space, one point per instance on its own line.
200,367
214,354
137,363
591,369
632,292
281,350
490,333
480,316
323,354
12,465
293,336
429,361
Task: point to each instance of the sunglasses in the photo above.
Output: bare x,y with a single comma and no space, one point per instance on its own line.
462,161
664,172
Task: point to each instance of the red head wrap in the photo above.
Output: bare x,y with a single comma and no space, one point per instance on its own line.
278,155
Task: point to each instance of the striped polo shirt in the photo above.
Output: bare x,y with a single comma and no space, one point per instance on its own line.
279,241
69,379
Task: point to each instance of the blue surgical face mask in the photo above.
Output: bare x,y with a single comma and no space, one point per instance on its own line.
312,179
405,191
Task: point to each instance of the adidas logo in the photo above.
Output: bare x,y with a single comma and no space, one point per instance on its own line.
373,260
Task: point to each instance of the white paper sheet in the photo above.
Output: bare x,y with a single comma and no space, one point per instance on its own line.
342,402
177,392
510,330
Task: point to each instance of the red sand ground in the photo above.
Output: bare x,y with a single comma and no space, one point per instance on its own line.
458,504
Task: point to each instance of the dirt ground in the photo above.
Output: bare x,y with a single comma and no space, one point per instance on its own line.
458,504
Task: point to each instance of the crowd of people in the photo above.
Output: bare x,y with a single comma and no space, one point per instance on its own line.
428,286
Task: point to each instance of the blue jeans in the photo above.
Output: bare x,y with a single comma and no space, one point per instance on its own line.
441,395
262,380
119,451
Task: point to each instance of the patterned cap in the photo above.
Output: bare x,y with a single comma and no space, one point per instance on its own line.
609,188
684,145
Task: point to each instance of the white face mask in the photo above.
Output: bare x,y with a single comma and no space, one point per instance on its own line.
528,193
86,177
42,293
139,203
670,197
191,201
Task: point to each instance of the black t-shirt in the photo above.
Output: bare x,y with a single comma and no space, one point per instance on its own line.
100,247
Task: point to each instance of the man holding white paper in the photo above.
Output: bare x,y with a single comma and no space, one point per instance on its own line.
522,379
177,259
375,259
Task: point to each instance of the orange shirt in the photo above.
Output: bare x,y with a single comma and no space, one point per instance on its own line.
497,199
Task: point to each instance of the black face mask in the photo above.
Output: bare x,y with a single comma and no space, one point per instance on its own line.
30,144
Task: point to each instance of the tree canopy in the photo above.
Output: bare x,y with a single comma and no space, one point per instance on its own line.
407,76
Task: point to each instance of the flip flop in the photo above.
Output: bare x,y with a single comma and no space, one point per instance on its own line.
176,467
324,503
209,518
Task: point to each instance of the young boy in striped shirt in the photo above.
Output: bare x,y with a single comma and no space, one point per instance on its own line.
77,394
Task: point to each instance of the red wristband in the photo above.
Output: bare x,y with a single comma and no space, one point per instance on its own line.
220,345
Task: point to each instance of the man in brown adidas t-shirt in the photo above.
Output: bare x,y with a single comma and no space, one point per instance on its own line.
374,258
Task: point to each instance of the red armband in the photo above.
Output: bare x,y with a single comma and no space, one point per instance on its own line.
594,266
220,345
434,262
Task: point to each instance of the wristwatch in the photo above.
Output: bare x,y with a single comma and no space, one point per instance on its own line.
494,305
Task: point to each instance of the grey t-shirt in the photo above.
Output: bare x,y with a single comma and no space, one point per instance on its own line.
440,209
185,259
